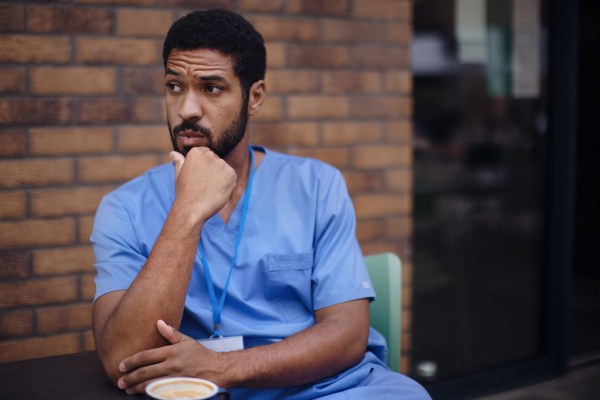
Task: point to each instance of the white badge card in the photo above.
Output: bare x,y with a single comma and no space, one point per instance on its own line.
223,344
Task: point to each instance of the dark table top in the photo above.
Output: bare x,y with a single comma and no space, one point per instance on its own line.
72,376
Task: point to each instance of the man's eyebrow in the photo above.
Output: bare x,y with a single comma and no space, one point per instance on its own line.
170,71
212,78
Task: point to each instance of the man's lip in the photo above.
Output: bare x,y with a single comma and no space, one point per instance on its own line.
191,134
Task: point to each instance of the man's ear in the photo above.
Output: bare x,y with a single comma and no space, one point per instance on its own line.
256,97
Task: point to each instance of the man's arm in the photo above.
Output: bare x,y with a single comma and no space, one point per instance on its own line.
124,321
337,341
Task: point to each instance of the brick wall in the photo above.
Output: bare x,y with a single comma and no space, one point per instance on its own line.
81,111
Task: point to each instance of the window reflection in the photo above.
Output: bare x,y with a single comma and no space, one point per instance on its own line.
480,181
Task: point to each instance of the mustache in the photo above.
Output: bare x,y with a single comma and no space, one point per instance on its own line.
191,126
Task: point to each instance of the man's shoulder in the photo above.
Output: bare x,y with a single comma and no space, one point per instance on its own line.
302,166
157,180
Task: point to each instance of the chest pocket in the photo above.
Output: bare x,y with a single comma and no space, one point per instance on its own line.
290,284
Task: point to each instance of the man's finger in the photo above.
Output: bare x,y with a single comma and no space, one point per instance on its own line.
170,333
178,160
142,358
140,387
143,375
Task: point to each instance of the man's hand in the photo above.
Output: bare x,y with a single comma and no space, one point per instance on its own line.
184,357
203,182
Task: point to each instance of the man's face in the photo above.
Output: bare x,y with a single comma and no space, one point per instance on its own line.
205,106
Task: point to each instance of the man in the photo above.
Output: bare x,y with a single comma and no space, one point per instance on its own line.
233,241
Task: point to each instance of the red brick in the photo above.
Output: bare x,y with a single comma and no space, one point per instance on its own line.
16,324
398,227
337,31
407,273
144,81
13,204
64,260
405,365
12,17
107,110
351,82
85,229
346,133
39,291
383,9
382,107
400,180
368,230
88,341
406,320
319,57
261,5
276,54
380,57
136,22
407,297
88,287
285,134
406,338
336,157
30,233
59,202
13,143
119,2
398,33
114,169
276,28
198,4
291,81
272,110
36,172
377,157
136,139
73,80
35,112
12,80
116,51
398,82
40,347
360,182
317,107
15,264
56,141
72,317
400,248
318,7
69,20
380,205
35,49
399,132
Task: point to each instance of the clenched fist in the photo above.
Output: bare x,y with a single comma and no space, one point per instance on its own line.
203,183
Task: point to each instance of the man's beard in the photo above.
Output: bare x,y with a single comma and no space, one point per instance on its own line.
226,143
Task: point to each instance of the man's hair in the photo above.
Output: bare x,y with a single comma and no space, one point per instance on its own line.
225,32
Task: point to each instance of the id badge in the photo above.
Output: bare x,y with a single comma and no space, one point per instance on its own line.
223,344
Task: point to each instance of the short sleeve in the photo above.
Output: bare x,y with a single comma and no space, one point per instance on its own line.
339,271
116,248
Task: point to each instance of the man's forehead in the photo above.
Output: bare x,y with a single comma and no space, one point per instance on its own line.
199,60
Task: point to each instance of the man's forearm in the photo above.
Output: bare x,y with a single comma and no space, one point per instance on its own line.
158,292
337,342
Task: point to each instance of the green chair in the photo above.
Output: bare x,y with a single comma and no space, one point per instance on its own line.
386,277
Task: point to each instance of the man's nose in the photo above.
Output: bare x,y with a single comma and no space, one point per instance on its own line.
191,107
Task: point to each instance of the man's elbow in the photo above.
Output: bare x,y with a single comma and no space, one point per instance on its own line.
110,362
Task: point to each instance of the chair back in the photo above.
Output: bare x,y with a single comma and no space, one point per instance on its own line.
386,278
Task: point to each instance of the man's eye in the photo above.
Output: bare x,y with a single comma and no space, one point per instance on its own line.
213,89
174,88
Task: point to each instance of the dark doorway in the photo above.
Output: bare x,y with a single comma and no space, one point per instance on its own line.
585,288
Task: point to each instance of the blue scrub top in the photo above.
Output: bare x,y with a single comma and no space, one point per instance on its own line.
298,251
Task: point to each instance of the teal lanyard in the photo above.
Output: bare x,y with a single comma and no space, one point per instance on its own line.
217,308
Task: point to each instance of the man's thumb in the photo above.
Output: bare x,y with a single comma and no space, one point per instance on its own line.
178,160
170,333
